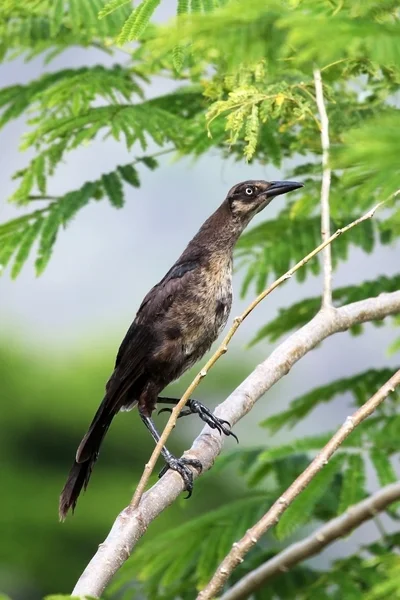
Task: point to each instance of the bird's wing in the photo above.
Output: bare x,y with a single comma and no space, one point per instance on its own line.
138,344
140,339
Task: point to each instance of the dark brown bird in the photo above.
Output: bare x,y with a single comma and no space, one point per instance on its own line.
175,325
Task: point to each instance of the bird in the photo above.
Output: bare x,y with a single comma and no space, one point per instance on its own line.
175,325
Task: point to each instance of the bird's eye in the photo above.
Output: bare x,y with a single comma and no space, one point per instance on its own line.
249,191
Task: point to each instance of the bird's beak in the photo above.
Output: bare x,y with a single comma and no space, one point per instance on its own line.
282,187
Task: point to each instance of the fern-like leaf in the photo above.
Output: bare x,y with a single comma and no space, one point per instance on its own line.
299,512
302,312
383,467
113,187
29,237
354,479
138,21
360,386
194,555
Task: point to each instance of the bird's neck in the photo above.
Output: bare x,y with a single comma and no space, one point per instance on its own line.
218,234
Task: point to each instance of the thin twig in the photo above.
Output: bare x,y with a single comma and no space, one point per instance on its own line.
252,535
130,525
43,198
222,349
325,188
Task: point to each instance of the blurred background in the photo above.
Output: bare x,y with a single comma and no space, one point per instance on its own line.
60,334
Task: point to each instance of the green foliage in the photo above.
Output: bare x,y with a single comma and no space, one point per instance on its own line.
300,511
383,466
302,312
48,26
359,386
266,254
198,546
354,482
138,20
19,235
389,584
371,574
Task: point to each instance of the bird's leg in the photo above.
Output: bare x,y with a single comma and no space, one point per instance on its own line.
176,464
205,414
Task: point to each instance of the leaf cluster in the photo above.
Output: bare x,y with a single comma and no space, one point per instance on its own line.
18,236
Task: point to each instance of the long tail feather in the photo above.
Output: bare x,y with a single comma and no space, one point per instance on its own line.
86,457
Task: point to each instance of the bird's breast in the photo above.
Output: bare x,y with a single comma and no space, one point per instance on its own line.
196,321
211,308
223,299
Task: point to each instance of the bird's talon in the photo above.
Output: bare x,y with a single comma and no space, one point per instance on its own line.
180,465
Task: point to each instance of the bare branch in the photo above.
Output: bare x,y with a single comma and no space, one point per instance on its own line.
131,524
222,349
271,517
325,188
313,544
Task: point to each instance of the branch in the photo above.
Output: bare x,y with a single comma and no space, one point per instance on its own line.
313,544
271,517
325,188
131,524
223,348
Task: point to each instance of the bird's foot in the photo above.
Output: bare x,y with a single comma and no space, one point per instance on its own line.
212,421
181,466
205,414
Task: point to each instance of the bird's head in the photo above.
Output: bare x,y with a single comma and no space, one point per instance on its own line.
248,198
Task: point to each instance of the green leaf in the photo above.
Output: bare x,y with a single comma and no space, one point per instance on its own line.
138,21
113,187
129,174
299,512
182,7
354,479
30,235
360,386
362,157
383,467
195,6
56,16
9,244
48,238
40,175
150,162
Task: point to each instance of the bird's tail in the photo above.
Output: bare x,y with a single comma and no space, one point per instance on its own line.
86,457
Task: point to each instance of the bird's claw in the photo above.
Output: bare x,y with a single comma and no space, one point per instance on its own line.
196,407
180,465
212,421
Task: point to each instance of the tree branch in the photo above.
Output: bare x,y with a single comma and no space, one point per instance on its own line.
131,524
271,517
325,188
313,544
223,348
